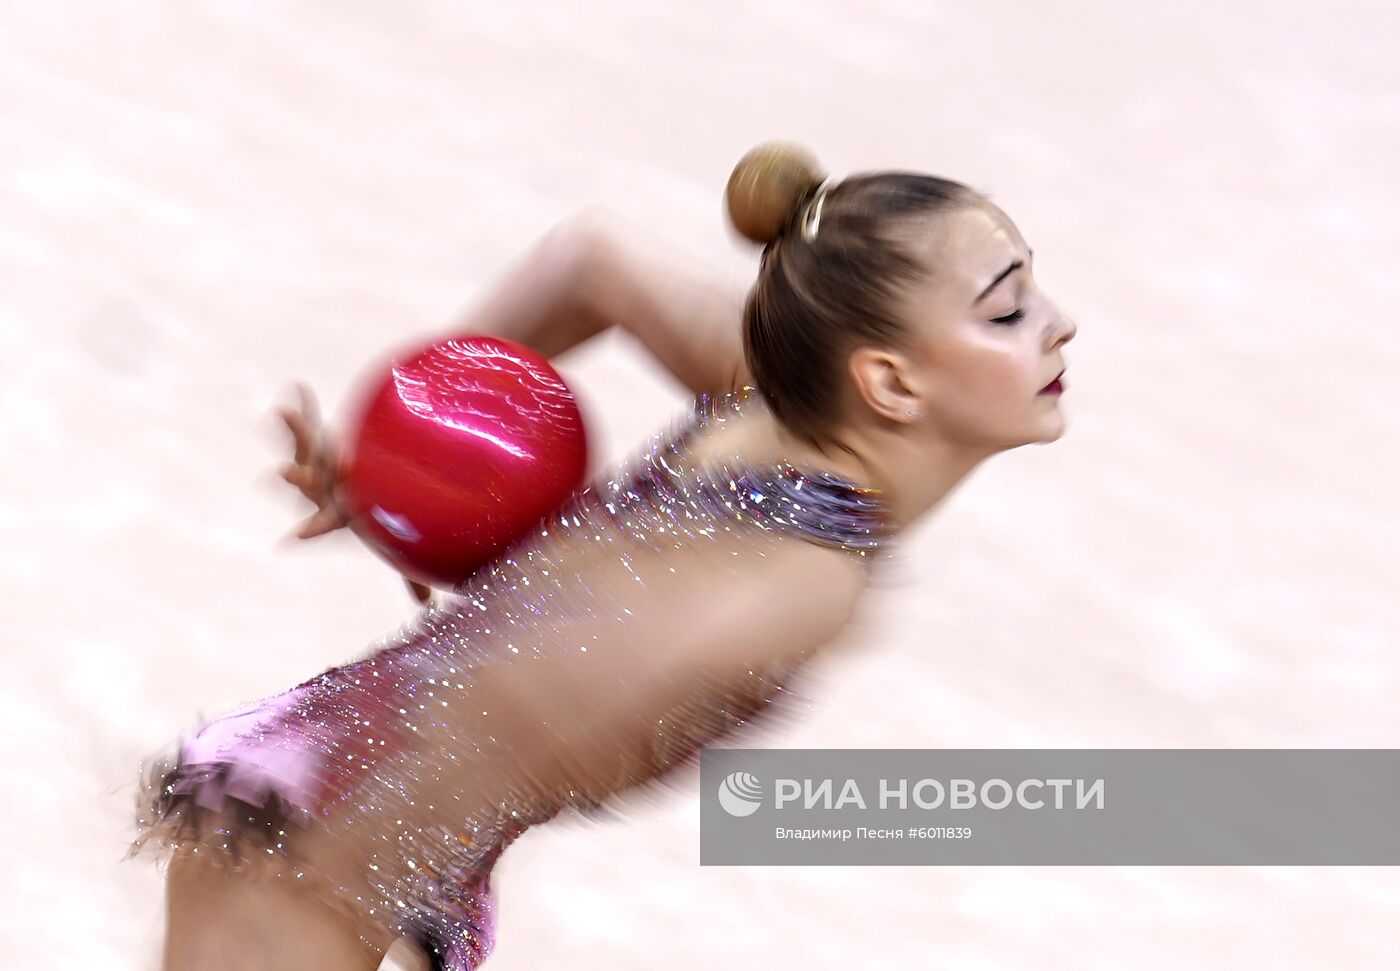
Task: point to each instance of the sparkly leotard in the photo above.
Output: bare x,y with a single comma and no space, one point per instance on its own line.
394,783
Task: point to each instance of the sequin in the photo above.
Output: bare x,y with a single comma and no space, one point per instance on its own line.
393,784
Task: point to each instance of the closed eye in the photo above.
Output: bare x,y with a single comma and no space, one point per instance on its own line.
1010,318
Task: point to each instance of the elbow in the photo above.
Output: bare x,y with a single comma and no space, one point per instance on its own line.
583,249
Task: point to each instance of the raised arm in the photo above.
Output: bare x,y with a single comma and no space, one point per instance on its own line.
589,273
594,271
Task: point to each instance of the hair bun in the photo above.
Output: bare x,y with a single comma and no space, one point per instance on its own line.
766,187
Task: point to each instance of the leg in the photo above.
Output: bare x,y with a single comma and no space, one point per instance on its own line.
220,920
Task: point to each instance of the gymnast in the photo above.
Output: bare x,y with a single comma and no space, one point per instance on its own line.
894,339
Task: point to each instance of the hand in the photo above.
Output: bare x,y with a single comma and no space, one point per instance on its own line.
315,468
315,471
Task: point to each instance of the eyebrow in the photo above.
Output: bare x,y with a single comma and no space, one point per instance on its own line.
1001,276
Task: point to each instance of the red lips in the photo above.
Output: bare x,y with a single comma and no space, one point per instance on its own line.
1054,387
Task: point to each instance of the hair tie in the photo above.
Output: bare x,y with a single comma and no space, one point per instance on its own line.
814,212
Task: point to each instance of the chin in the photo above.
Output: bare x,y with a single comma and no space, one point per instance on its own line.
1053,432
1043,432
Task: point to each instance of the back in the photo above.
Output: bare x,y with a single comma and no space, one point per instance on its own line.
665,605
662,607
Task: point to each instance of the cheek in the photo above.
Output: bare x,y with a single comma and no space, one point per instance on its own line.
991,374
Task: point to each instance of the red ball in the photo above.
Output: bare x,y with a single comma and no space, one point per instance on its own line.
457,451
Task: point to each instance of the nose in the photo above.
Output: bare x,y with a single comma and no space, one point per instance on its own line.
1060,330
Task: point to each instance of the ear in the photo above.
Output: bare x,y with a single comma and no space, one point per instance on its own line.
885,380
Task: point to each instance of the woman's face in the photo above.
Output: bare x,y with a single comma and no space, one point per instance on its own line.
987,341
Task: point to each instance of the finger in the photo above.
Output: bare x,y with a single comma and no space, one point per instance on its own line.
309,408
324,521
303,435
295,535
330,457
304,479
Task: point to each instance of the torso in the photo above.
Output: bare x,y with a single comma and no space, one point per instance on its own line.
622,617
663,607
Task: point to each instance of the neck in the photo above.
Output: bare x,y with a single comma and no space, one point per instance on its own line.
913,473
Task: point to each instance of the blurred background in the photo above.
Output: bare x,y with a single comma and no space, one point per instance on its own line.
201,202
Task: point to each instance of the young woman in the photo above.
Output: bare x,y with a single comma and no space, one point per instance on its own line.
895,338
